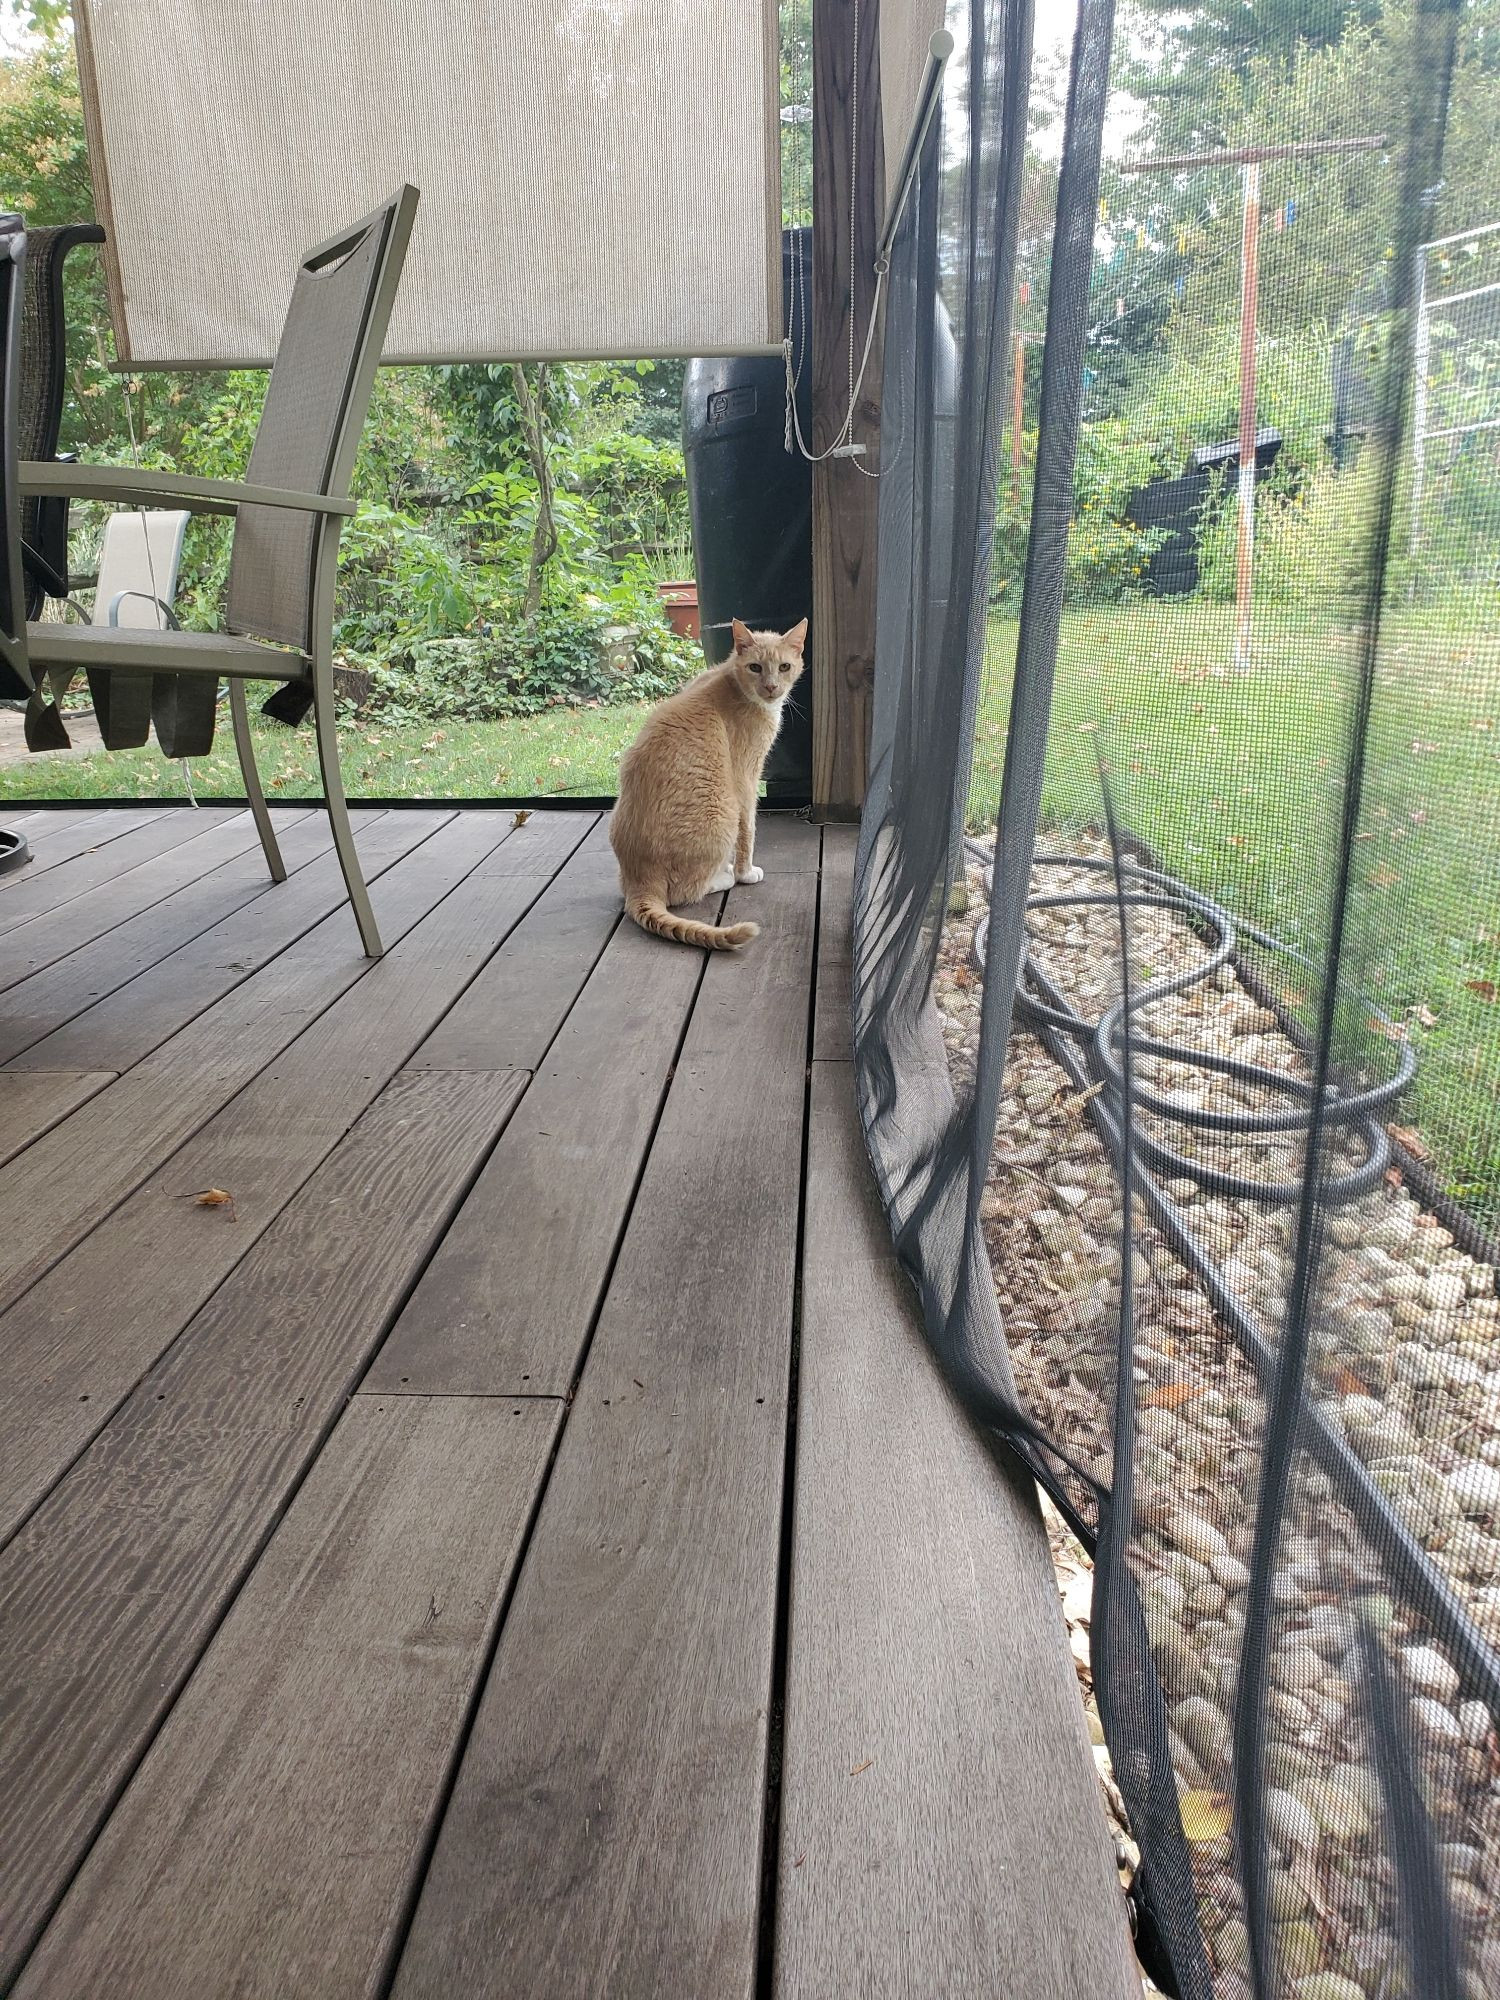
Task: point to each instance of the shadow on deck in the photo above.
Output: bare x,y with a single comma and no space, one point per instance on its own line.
516,1543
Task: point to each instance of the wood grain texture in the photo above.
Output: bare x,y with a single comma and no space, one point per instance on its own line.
302,1767
541,844
942,1830
81,1339
507,1303
109,1594
785,844
113,862
832,1028
845,498
76,923
605,1831
33,1101
67,834
47,1000
509,1015
168,992
41,822
74,1177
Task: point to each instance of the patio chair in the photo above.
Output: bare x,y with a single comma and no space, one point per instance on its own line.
287,518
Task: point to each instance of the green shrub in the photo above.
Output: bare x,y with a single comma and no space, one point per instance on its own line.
580,655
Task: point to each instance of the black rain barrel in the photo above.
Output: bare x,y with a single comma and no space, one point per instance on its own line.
751,504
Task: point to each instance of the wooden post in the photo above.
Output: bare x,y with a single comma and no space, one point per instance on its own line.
846,116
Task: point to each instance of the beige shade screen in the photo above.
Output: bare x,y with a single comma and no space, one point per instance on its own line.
597,177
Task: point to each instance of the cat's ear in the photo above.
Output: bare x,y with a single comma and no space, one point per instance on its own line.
744,638
795,637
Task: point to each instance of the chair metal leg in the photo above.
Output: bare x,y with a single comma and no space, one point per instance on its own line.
240,711
338,811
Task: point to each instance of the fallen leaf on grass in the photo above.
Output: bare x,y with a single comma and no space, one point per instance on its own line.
1205,1815
1382,878
1485,988
862,1767
1425,1016
1170,1395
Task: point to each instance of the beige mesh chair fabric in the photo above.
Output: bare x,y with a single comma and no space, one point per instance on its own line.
598,180
303,425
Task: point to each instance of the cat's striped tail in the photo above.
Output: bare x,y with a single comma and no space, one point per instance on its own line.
652,914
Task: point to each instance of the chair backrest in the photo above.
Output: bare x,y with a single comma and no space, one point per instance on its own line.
43,379
315,409
15,667
138,564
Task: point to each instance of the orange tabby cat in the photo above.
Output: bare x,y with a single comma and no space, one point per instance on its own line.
684,826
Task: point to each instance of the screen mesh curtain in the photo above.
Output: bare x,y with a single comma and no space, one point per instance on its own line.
596,180
1177,960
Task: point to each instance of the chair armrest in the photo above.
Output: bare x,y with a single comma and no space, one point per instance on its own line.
149,488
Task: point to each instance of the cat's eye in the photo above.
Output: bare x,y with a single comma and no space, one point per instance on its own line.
755,666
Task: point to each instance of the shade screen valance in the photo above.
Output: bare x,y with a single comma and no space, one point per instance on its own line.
598,177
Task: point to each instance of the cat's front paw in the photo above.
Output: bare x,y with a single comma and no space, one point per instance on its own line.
752,874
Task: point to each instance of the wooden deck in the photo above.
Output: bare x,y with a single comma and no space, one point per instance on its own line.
517,1543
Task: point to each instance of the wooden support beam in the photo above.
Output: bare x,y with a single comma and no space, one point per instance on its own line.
846,124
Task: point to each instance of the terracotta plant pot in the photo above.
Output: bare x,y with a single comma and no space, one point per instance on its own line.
680,601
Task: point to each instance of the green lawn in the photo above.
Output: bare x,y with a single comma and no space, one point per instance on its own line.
563,752
1235,780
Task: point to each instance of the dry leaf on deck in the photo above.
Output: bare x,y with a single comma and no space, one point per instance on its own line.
862,1767
212,1198
522,816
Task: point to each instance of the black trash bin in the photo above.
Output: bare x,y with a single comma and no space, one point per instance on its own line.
751,504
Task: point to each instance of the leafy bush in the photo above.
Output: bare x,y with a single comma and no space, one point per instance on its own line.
578,655
1107,552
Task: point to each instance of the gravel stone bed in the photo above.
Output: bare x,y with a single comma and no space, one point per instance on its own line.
1406,1360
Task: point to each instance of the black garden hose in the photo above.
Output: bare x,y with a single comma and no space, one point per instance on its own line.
1041,1005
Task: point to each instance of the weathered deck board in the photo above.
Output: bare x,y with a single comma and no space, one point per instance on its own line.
55,933
71,926
831,1033
43,1003
74,833
940,1812
115,1585
74,1177
132,1021
29,896
605,1831
33,1101
156,1258
491,1316
248,1605
508,1016
301,1770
